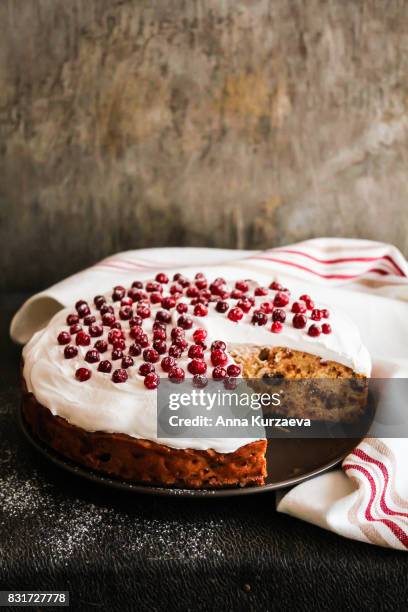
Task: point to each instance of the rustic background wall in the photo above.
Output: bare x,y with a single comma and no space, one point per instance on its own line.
233,123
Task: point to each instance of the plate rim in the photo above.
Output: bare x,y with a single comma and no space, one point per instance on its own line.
145,489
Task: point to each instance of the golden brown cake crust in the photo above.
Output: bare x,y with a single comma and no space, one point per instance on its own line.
143,461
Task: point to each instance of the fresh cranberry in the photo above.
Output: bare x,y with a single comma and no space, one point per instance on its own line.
83,339
95,330
224,295
218,357
108,319
92,356
150,355
137,285
216,289
135,349
101,346
176,375
155,297
143,311
304,297
74,329
233,370
218,344
146,368
64,338
298,307
162,278
276,327
259,318
159,334
310,304
314,331
151,381
200,381
181,343
192,292
199,335
83,374
160,346
245,304
200,310
125,313
242,286
175,351
105,308
137,295
236,294
89,320
176,289
261,291
120,376
163,316
185,322
219,373
117,353
235,314
316,314
325,313
168,302
199,276
201,284
98,301
167,363
197,366
153,287
266,307
83,310
182,307
196,351
80,303
177,332
281,299
299,321
70,352
72,319
326,328
126,301
279,315
116,325
138,321
276,286
114,334
205,294
127,362
119,343
143,340
119,292
221,306
105,366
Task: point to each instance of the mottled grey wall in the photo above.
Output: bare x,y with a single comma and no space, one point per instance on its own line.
229,123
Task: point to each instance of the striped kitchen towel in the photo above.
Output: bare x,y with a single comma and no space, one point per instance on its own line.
367,499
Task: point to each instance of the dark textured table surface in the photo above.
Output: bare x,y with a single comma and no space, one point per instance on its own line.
114,551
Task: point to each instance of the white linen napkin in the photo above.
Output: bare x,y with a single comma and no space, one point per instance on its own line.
367,499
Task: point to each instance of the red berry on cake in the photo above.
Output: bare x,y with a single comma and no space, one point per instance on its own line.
89,320
120,376
163,316
83,310
95,330
260,291
233,370
298,307
146,368
108,319
281,299
125,313
185,322
266,307
221,306
245,304
218,344
83,374
80,303
74,329
72,319
70,352
176,374
114,334
83,339
119,293
276,286
199,335
64,338
105,366
279,315
137,285
92,356
305,297
159,334
276,327
197,366
325,313
177,332
200,310
196,351
98,301
235,314
167,363
200,381
299,321
119,343
150,355
235,294
316,314
135,349
242,286
309,304
117,353
127,362
106,308
182,307
162,278
160,346
168,302
126,301
218,357
219,373
259,318
314,331
150,287
101,346
326,328
143,311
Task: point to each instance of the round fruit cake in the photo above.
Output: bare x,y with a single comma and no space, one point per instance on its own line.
90,377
